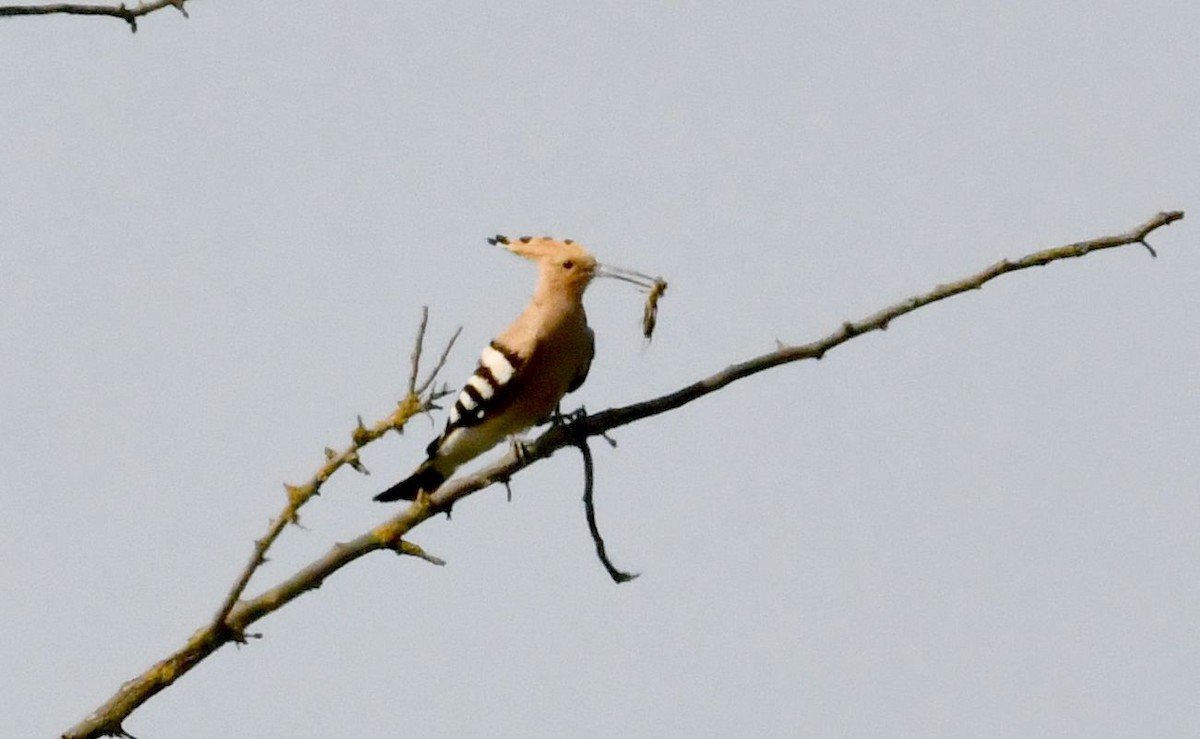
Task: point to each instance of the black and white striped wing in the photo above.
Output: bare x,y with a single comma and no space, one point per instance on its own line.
485,393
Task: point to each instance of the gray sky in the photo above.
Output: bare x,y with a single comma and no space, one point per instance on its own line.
217,236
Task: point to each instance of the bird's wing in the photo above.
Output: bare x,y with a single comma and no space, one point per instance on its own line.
486,393
585,363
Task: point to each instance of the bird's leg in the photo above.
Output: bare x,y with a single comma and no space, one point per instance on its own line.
519,451
519,448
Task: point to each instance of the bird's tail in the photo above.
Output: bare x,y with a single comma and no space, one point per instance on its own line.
427,478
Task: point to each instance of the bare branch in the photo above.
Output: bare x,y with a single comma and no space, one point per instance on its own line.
232,624
615,417
418,345
618,576
129,15
438,367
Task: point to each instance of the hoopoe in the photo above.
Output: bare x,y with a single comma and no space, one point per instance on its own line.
524,372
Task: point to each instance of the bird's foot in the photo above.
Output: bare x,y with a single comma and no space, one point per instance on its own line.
566,419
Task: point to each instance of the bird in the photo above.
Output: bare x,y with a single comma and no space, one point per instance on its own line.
524,372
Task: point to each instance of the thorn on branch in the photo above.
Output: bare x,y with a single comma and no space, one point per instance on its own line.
412,550
236,634
405,409
1149,248
355,461
129,17
360,435
245,638
296,495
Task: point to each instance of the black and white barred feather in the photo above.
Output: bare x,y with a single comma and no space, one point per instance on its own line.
484,397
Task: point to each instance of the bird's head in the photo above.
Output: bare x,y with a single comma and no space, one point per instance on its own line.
565,267
562,265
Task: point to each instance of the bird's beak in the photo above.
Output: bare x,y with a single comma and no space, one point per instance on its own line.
626,275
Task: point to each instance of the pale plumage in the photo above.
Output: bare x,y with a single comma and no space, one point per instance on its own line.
524,372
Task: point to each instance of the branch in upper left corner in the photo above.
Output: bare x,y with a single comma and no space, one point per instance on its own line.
129,15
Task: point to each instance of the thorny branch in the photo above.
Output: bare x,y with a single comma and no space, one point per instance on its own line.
106,720
129,15
415,401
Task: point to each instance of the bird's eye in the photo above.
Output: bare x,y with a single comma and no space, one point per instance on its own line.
568,264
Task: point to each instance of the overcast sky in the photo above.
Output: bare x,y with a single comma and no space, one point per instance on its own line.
216,236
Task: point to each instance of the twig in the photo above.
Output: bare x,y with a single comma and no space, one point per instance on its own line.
298,495
438,367
106,720
129,15
416,352
413,550
618,576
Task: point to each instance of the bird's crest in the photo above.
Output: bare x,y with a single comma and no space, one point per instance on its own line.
539,248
